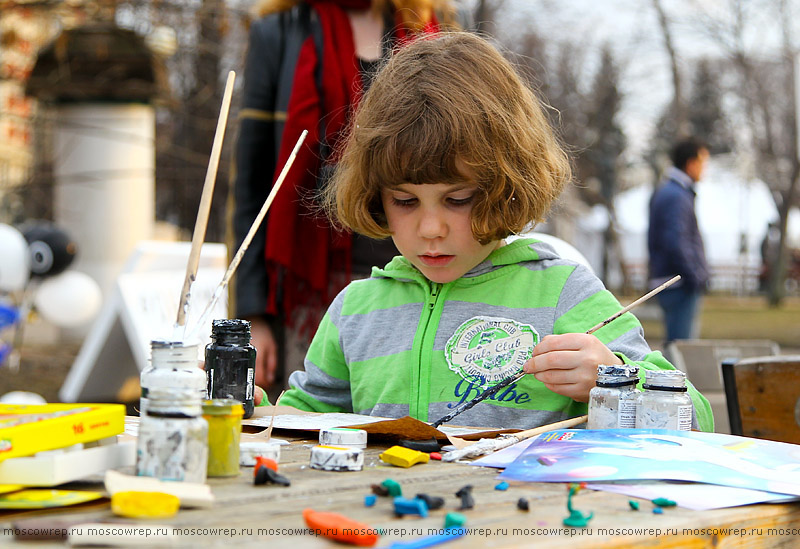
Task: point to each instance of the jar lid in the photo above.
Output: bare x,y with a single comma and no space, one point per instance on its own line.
626,370
341,436
665,378
223,407
235,325
173,354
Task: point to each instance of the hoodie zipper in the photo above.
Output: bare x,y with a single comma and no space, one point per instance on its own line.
419,406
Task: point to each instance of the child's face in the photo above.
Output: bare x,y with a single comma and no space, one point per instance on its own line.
431,227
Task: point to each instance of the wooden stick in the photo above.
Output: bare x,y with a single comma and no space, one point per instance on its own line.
249,237
513,379
201,223
274,411
489,445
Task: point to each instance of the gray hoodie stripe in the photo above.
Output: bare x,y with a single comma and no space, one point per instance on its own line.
326,389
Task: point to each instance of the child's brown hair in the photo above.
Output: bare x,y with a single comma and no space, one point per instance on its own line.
446,109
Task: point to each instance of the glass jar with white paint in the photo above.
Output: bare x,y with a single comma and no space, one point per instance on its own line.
665,402
612,402
173,436
173,364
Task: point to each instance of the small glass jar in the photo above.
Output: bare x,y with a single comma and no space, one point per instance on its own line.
173,364
665,402
173,437
224,417
612,403
231,363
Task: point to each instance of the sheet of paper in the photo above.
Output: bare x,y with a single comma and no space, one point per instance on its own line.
405,427
586,455
695,496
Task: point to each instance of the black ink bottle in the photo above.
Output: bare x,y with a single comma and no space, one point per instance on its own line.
231,362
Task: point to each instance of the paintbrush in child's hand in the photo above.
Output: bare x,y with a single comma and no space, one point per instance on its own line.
513,379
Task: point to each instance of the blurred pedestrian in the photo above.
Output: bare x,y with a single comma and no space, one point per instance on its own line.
674,241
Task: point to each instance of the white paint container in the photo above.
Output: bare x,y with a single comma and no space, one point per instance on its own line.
173,365
249,451
172,443
332,458
343,437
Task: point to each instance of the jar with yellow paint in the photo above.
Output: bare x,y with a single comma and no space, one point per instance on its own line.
224,417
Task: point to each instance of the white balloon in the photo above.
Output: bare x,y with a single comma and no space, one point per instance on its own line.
22,397
14,259
69,299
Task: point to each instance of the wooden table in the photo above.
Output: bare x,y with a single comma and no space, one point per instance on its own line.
245,515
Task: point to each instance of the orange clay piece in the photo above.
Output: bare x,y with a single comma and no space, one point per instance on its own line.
266,462
340,528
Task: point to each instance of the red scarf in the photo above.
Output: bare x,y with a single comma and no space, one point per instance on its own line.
308,262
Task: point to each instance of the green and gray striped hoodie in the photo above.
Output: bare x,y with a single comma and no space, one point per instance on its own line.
397,344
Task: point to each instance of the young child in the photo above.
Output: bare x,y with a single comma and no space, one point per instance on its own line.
450,153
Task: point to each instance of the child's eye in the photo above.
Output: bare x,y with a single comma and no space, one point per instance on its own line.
404,202
460,201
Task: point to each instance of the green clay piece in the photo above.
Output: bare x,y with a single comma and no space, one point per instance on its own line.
664,502
393,486
634,504
454,520
576,519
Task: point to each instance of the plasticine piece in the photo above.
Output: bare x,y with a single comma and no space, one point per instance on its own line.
502,486
265,462
427,446
392,487
433,502
522,504
658,510
576,519
634,504
340,528
436,455
369,500
379,490
404,506
403,457
265,475
664,502
454,520
430,541
465,493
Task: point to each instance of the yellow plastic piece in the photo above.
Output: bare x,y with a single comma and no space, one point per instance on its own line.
404,457
144,504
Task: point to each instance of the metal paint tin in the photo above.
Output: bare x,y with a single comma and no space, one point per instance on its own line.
224,417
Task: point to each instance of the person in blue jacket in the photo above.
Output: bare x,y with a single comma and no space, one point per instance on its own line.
674,241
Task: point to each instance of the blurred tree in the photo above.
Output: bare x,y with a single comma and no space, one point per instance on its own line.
707,119
767,91
604,150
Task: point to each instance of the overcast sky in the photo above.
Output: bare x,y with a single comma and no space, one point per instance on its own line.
631,28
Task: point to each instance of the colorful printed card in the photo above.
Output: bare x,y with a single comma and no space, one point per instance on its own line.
576,455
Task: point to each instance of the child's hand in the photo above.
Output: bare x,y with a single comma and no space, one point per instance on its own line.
260,397
567,363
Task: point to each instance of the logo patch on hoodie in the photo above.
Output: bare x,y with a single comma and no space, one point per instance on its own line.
490,349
